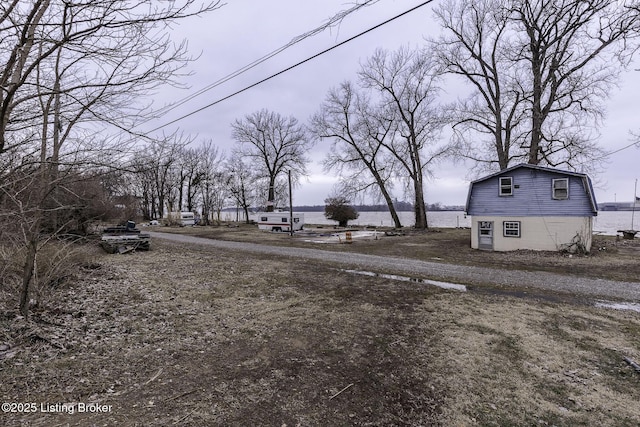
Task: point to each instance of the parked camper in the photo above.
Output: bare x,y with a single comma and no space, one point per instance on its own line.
187,219
183,218
279,221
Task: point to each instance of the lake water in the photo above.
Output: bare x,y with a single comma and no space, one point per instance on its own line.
607,222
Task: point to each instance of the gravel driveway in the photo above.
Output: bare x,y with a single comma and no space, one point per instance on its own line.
580,286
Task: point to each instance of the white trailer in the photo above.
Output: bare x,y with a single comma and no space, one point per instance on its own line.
187,219
279,221
184,219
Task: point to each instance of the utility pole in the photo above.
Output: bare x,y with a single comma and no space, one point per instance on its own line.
635,199
291,206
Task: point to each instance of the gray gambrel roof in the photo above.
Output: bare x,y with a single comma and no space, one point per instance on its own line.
588,185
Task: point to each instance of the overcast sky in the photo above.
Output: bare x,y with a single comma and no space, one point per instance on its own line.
243,31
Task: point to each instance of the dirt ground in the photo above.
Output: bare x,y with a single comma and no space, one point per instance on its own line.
195,336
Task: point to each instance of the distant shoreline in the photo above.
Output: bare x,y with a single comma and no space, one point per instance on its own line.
366,208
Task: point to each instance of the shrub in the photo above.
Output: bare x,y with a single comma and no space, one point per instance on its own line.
57,262
338,209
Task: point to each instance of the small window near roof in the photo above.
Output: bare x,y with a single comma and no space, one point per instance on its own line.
511,228
560,188
506,186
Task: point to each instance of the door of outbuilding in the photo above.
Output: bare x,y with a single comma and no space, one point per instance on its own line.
485,235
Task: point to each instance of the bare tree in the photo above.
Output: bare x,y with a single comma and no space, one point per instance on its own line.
192,175
72,70
275,144
212,186
407,83
475,46
157,170
143,186
358,135
106,48
539,72
574,51
241,182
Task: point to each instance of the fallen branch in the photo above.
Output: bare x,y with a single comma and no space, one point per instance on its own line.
36,337
139,386
180,395
185,417
7,352
350,385
154,377
633,364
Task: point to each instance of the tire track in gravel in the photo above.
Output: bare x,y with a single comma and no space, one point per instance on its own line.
579,286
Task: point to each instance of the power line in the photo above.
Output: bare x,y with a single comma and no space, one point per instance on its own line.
620,149
292,66
338,17
330,23
605,155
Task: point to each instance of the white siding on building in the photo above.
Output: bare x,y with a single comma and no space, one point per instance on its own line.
550,233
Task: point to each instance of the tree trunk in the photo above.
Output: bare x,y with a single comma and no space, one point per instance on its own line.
417,175
189,205
502,151
245,205
245,208
181,197
419,208
272,194
392,208
27,275
385,194
536,106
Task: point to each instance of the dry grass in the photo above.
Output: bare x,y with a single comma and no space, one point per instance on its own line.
518,363
196,336
610,258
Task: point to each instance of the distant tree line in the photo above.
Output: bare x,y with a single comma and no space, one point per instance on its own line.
400,207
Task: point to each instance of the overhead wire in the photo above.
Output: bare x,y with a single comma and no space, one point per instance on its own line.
637,143
610,153
331,22
272,76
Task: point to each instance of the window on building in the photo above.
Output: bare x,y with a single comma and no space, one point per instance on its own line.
506,186
511,228
560,188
